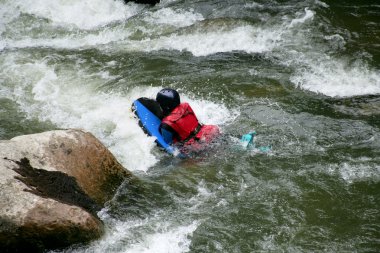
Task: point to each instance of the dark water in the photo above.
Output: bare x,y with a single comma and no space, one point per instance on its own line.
304,74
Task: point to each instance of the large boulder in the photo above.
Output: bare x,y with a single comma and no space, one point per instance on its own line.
151,2
51,186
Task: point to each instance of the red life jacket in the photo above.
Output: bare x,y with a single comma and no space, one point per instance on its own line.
183,120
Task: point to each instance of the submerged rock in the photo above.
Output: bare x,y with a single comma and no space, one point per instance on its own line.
152,2
51,186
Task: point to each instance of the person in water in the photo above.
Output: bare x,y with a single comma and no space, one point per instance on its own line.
180,124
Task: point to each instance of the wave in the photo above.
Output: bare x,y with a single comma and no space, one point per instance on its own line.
294,39
170,16
71,99
335,78
86,14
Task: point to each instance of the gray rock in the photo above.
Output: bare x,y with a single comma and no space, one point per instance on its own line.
51,186
151,2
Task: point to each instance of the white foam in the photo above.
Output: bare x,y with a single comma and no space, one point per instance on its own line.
166,2
70,100
71,15
333,77
170,240
151,234
358,172
336,41
2,45
315,71
243,38
254,5
7,14
72,41
178,18
198,41
84,14
162,231
309,15
68,103
320,3
318,71
209,112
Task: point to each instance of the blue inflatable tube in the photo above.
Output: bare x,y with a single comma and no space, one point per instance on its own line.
151,123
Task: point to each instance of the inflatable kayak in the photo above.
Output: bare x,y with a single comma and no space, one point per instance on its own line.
149,113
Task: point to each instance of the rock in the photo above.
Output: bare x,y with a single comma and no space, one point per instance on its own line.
51,186
151,2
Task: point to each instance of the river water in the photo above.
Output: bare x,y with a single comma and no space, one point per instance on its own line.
304,74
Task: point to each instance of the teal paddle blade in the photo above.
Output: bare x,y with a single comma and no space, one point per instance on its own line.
247,140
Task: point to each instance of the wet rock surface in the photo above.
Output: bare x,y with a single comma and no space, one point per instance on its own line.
51,186
151,2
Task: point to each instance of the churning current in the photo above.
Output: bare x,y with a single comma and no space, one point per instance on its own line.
304,74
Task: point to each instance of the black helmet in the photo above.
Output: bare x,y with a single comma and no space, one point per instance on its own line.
168,99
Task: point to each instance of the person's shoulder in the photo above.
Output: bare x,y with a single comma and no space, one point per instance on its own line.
186,106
